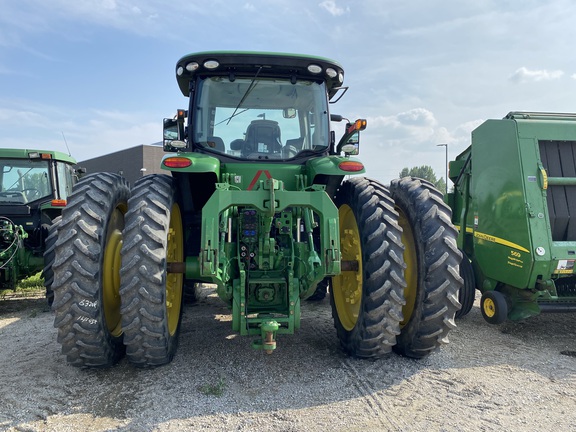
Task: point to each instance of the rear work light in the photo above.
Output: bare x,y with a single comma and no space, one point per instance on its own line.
351,166
177,162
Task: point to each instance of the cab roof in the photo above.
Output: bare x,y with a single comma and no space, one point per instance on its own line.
36,154
265,64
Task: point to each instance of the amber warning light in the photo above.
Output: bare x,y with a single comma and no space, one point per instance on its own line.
58,203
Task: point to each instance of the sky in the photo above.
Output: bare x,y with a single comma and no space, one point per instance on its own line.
98,76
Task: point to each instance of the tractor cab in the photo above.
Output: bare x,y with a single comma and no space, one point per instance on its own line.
34,186
252,107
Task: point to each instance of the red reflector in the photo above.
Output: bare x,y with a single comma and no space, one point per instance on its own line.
351,166
177,162
58,203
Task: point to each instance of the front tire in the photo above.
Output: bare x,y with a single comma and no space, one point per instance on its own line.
86,271
432,274
321,290
49,255
367,303
151,297
466,294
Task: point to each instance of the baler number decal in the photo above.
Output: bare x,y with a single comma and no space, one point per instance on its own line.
514,259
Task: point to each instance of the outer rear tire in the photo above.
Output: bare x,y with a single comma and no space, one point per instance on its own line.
86,271
432,260
367,303
466,294
151,297
49,255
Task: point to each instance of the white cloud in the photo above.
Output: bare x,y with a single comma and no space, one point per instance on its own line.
523,75
410,127
88,134
332,8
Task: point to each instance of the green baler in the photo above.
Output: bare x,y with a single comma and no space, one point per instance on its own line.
514,201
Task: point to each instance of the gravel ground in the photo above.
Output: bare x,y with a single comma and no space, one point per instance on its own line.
512,377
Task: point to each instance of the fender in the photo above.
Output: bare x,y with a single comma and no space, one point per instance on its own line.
191,163
334,165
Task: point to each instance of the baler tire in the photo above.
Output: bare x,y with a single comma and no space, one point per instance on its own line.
494,307
367,304
151,297
321,290
49,255
466,294
86,271
432,275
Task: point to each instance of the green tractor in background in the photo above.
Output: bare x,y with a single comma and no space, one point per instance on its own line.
265,204
514,202
34,187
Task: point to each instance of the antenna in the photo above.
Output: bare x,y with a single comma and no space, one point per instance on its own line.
66,142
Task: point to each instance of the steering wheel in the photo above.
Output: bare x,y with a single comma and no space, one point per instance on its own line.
31,192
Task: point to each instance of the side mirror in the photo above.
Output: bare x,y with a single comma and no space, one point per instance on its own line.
352,146
170,137
350,141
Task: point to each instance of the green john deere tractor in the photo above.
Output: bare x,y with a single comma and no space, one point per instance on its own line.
514,202
34,186
260,205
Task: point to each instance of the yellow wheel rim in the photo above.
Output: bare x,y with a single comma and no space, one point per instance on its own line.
347,287
489,307
111,271
174,281
411,272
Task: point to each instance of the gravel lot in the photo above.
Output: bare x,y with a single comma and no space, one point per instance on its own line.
513,377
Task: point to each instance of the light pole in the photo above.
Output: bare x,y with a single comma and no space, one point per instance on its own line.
445,178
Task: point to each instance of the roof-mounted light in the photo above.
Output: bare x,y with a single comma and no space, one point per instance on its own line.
211,64
331,73
314,68
192,66
341,77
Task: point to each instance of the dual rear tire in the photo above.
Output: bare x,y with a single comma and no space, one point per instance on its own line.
112,294
404,294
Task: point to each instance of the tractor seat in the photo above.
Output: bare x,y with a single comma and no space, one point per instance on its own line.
262,136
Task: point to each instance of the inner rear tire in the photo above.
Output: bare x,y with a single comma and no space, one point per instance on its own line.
367,303
432,260
151,297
